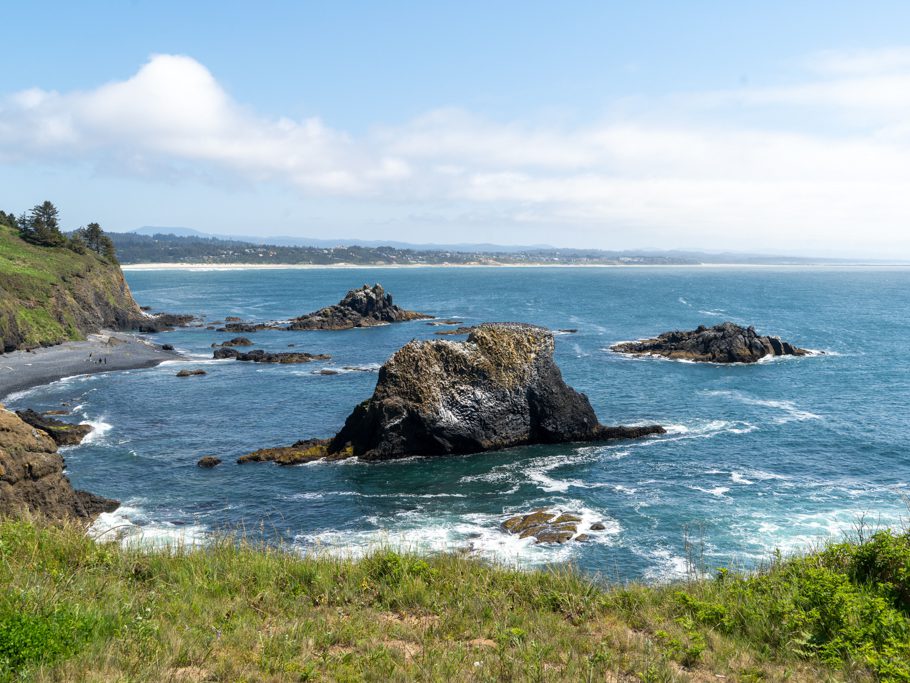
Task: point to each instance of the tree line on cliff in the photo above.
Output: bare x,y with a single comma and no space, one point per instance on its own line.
41,226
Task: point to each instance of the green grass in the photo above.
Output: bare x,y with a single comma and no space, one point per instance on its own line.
72,609
45,291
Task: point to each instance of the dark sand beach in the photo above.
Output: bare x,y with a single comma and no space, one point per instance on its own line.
104,352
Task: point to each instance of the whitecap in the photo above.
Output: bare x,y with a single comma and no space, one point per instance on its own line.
738,478
99,429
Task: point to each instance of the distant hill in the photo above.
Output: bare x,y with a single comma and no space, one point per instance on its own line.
287,241
162,248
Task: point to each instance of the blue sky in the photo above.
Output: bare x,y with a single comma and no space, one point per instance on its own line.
778,127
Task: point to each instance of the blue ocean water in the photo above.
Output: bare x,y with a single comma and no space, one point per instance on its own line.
777,455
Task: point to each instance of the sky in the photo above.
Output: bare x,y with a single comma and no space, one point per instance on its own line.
773,127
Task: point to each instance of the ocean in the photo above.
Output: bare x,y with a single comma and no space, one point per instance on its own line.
772,457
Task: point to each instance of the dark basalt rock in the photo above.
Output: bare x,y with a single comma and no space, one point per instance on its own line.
260,356
236,341
191,373
364,307
208,462
500,388
724,343
63,433
32,478
164,322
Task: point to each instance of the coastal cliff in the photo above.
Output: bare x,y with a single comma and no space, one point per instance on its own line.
50,295
32,478
498,389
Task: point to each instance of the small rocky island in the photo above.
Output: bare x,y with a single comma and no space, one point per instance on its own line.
261,356
724,343
499,388
364,307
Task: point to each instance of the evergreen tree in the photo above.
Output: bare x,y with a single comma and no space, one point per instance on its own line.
42,226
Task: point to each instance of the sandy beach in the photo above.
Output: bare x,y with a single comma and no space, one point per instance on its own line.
104,352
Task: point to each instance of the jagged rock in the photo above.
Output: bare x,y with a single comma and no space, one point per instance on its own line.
191,373
208,462
63,433
31,476
500,388
236,341
260,356
451,333
598,526
724,343
364,307
167,347
582,537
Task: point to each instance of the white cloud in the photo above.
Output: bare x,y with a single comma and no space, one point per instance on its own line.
831,166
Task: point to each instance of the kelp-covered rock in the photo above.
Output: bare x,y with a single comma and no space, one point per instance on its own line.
63,433
303,451
500,388
260,356
364,307
32,479
207,462
724,343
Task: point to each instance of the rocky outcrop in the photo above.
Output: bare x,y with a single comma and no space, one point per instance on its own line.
207,462
500,388
300,452
546,526
364,307
260,356
32,479
724,343
63,433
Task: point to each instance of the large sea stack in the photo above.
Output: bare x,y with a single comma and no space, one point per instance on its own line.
32,478
724,343
500,388
364,307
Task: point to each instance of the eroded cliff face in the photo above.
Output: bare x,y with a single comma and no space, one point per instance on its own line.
500,388
32,478
49,295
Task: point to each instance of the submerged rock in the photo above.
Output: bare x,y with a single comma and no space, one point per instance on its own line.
208,462
236,341
63,433
545,526
364,307
32,478
724,343
260,356
500,388
191,373
303,451
467,329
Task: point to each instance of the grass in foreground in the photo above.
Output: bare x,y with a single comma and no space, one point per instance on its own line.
73,610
